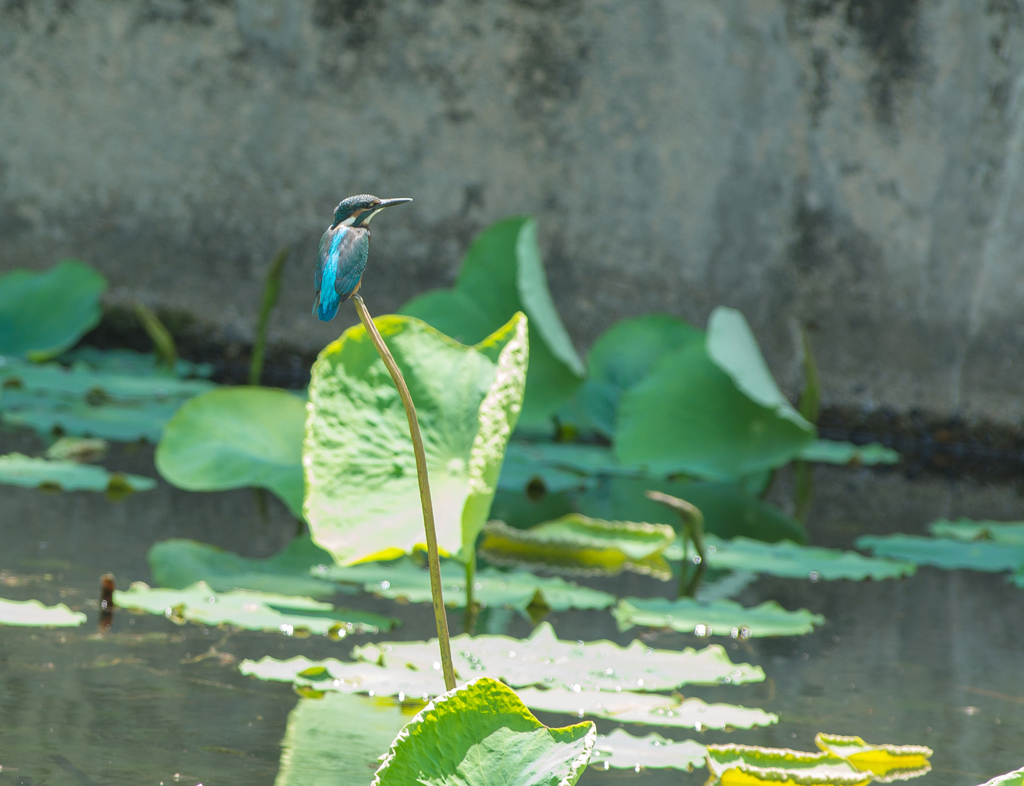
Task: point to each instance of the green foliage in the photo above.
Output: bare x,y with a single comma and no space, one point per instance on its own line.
271,290
42,314
237,437
577,543
179,563
19,470
502,274
1009,532
825,451
89,401
621,357
288,614
982,555
32,613
362,497
1015,778
793,561
650,709
544,660
620,750
720,618
163,341
729,510
840,761
711,410
337,737
482,735
404,580
130,362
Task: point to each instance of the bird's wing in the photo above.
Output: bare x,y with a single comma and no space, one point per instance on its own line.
352,250
321,258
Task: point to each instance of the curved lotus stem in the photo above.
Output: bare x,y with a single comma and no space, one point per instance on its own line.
433,559
693,529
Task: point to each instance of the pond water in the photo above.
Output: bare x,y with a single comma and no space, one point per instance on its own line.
933,660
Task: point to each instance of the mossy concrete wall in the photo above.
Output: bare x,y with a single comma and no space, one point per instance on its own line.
856,166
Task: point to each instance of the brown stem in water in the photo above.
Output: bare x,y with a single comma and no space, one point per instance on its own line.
433,559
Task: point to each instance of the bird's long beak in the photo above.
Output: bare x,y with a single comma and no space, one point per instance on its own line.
392,202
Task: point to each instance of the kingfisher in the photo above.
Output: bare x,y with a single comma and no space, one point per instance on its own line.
341,260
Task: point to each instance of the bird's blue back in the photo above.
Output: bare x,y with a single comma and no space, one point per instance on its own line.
340,263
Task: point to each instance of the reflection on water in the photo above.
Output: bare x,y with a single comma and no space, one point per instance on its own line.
933,660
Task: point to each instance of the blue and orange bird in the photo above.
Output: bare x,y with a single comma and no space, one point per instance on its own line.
341,260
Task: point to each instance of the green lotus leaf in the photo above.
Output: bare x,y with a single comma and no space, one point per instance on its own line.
334,676
338,733
128,361
650,709
752,765
362,498
544,660
237,437
982,555
577,543
720,618
179,563
127,423
502,274
711,410
482,735
100,387
42,314
620,750
1009,532
80,449
1015,778
288,614
32,613
790,560
826,451
19,470
887,763
404,580
621,357
729,510
560,466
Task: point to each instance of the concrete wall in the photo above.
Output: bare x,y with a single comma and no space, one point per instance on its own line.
854,165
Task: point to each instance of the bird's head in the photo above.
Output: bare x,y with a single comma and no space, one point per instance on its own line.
357,210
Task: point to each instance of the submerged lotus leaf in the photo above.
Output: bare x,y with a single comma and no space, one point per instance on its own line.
982,555
178,563
403,579
338,733
362,497
481,735
621,750
544,660
827,451
42,314
720,618
887,762
19,470
711,409
32,613
790,560
502,274
649,709
1011,532
332,675
1015,778
234,438
579,543
288,614
748,765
